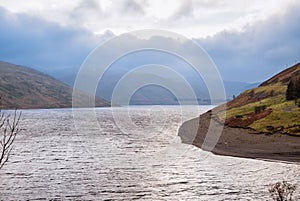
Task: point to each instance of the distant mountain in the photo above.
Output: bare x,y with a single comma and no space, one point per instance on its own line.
22,87
151,94
158,95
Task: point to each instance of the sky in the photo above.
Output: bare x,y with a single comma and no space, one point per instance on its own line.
248,40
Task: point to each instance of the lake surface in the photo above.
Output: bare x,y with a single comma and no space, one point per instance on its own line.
102,156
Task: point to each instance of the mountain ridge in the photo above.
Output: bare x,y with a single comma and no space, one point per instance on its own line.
284,76
25,88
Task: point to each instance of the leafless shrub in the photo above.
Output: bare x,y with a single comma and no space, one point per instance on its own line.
9,128
282,191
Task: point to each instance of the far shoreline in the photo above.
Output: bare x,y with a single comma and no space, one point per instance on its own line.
100,107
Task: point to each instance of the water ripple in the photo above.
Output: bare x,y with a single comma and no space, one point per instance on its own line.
51,161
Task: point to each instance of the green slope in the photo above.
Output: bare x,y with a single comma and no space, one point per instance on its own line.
265,108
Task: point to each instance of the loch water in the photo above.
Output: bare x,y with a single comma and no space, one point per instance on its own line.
129,153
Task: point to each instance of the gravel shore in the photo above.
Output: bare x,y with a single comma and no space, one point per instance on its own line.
240,142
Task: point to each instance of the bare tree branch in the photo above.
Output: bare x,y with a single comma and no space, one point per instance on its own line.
9,128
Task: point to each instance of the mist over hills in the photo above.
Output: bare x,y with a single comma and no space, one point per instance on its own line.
24,87
154,94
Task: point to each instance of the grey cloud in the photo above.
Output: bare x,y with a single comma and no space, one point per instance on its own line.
186,9
260,51
40,44
211,4
253,55
87,10
134,6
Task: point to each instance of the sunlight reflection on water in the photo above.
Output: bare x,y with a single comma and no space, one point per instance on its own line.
51,160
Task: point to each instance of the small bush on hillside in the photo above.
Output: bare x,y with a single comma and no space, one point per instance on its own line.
259,109
293,89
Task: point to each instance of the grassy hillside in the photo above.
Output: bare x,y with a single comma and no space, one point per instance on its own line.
22,87
265,108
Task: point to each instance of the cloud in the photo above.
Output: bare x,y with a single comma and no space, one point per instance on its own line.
262,49
134,7
186,9
43,45
193,18
87,11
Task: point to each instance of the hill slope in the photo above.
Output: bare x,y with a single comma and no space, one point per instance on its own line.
22,87
259,123
265,108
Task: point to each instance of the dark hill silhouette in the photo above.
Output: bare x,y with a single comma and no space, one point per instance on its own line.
284,76
22,87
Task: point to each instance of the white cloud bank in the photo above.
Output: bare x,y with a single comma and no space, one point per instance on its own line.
193,18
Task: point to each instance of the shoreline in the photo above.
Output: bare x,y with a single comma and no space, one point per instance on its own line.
243,143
